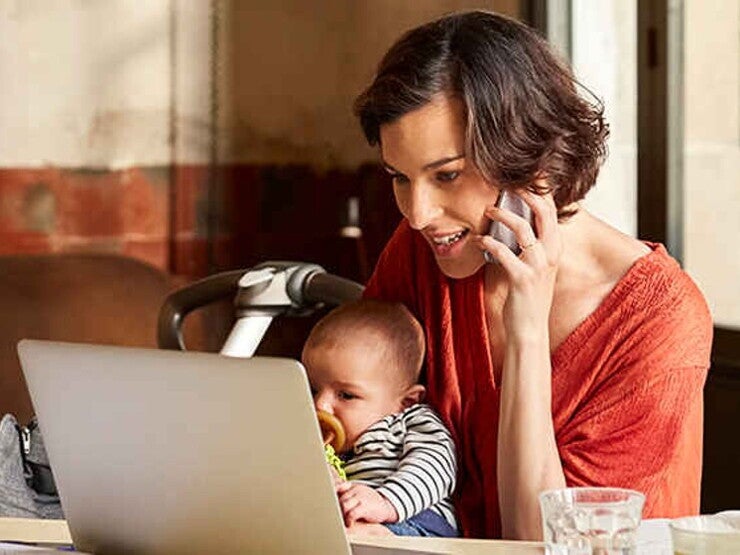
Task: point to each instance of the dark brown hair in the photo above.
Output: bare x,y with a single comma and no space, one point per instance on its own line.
525,118
397,333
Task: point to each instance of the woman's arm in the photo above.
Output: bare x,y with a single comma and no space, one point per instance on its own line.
528,459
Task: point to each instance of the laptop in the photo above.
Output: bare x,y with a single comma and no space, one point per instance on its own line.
163,452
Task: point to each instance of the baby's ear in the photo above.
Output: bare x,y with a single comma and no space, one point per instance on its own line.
413,395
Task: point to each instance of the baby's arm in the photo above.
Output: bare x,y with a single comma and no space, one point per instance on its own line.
425,475
426,472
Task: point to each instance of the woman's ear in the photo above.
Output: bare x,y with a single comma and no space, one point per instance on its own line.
413,395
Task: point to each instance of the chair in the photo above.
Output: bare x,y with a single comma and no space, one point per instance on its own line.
94,298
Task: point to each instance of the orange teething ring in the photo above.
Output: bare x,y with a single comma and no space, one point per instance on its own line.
331,430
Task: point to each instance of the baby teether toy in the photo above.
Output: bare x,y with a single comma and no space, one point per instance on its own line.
331,430
333,433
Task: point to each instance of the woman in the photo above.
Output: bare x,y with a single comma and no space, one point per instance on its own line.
578,362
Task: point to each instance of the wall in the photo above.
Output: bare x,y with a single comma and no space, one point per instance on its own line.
85,84
84,127
712,153
605,60
294,74
192,138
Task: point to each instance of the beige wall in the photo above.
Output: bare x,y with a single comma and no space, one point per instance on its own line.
294,71
83,83
605,60
712,153
103,83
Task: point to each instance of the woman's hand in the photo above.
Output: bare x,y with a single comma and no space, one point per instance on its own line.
531,275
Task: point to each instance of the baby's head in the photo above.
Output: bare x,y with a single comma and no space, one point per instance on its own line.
363,361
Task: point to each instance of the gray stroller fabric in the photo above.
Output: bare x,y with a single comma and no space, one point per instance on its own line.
17,497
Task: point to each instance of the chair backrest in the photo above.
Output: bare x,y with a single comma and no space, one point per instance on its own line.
92,298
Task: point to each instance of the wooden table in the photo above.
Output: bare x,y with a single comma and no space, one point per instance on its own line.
455,546
57,532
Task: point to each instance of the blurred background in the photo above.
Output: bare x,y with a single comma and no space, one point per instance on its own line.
144,145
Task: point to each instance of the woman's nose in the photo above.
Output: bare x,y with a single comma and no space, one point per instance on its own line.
419,204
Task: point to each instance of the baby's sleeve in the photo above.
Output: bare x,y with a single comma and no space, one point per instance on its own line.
427,470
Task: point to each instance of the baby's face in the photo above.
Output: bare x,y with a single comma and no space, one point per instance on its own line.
355,385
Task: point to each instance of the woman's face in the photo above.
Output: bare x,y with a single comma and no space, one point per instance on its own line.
437,188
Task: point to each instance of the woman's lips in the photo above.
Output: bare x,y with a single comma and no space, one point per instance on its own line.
449,244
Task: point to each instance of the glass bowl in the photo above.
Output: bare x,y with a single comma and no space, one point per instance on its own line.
707,534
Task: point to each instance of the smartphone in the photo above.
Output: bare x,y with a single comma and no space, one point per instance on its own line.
513,202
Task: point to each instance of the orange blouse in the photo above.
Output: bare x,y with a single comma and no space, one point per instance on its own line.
626,383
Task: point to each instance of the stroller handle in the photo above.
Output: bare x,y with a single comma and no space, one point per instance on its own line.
268,289
323,288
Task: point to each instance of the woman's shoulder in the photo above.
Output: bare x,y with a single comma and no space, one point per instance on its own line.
659,283
644,275
662,311
642,302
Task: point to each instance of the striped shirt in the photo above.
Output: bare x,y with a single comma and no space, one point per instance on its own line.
409,458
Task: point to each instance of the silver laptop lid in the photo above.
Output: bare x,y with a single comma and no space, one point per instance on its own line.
168,452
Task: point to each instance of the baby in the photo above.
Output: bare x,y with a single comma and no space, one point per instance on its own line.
363,361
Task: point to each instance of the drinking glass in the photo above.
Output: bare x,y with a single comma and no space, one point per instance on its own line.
592,521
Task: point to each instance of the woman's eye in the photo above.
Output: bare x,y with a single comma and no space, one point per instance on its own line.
446,177
346,396
399,179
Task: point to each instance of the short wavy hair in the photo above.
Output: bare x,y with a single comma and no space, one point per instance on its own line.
525,119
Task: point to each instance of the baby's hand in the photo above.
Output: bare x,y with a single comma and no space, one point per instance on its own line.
363,503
